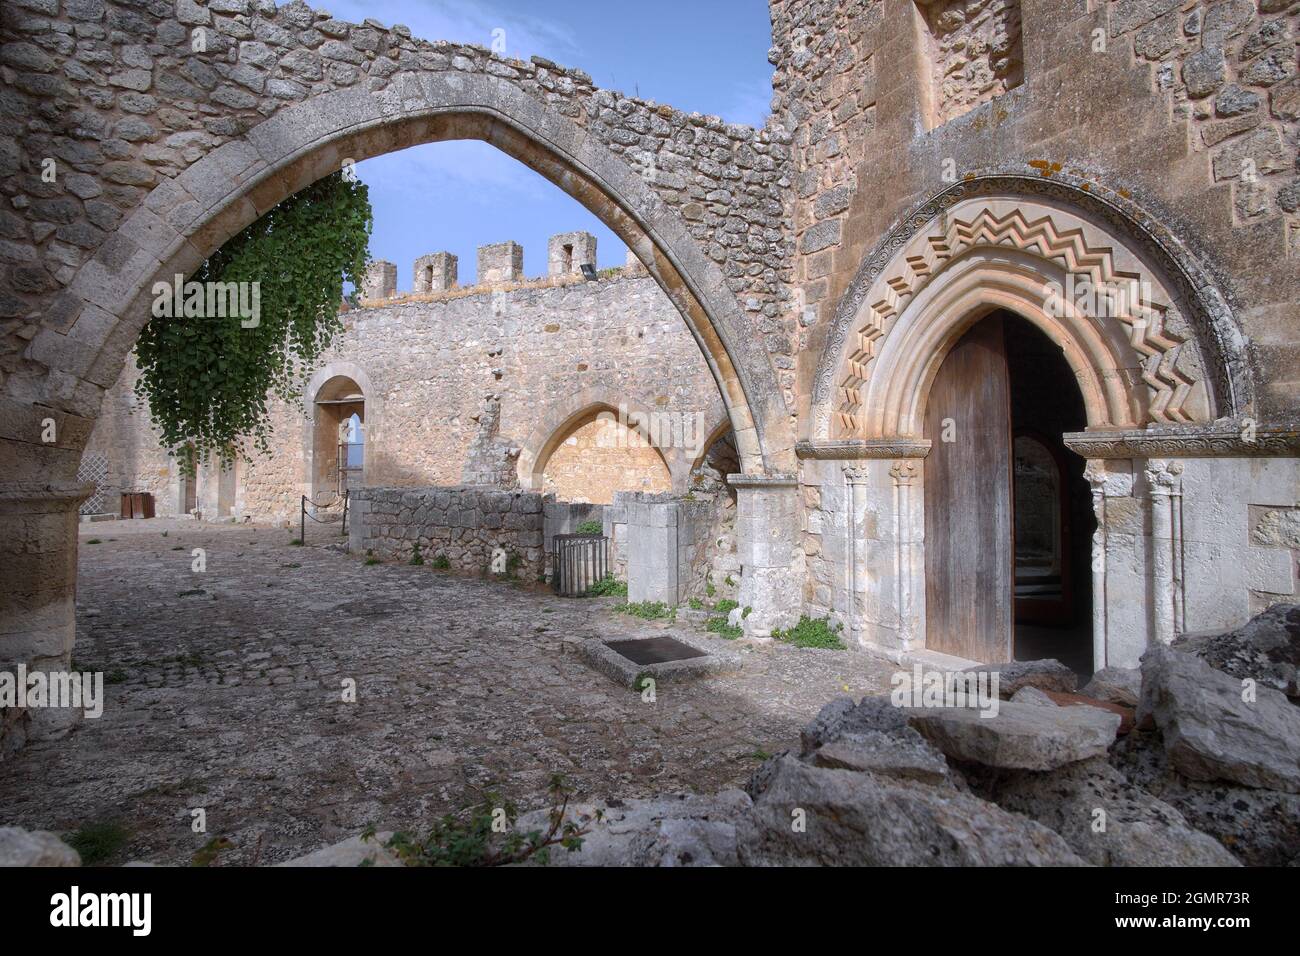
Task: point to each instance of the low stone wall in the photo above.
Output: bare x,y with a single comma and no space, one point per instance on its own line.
468,525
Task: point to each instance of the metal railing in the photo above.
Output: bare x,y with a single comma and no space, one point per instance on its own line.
304,515
580,560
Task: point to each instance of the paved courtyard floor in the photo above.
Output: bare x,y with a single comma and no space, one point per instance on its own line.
225,692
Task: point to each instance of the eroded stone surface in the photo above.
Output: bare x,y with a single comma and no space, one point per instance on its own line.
19,847
1266,649
1116,685
1212,731
1047,674
864,819
1105,819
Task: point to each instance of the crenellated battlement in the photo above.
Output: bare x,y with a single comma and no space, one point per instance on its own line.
570,259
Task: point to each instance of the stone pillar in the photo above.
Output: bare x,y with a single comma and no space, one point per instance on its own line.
381,280
653,569
1165,488
38,590
435,272
1119,598
767,530
856,477
568,252
500,263
909,554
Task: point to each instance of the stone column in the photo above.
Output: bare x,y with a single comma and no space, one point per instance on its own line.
1115,542
1165,487
856,477
909,554
38,571
767,530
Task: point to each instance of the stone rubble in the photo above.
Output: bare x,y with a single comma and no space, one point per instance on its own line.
19,847
1266,648
1210,732
1021,736
1047,674
1116,685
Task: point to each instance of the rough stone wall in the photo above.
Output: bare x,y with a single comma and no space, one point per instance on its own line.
1189,109
1186,108
120,96
470,527
462,382
974,53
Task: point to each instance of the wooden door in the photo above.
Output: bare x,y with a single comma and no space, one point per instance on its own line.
969,554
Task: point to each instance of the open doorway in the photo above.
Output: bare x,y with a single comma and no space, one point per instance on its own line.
338,441
1007,510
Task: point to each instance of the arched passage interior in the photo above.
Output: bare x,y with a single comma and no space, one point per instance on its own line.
1008,514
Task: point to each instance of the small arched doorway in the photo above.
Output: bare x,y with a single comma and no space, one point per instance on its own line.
338,439
1008,516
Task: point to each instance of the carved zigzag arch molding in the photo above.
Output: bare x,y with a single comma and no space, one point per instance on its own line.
1155,345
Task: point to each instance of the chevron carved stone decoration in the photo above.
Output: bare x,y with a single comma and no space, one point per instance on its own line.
924,259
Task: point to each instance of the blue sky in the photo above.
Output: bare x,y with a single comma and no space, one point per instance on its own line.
708,56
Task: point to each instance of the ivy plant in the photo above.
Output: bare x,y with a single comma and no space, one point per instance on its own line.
208,378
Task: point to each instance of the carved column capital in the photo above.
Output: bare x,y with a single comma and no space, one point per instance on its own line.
1164,477
904,471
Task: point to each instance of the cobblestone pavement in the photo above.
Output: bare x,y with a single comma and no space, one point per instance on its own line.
224,691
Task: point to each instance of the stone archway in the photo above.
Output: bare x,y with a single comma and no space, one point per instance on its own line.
1169,354
324,389
303,109
1147,338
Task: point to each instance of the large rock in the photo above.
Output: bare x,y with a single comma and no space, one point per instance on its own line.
19,847
1260,827
674,831
1046,674
904,756
1115,685
357,851
841,716
1104,818
811,816
1021,736
1210,732
1266,648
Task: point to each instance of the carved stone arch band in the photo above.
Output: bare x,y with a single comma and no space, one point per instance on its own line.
1148,338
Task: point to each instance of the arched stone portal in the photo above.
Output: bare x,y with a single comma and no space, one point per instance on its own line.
257,150
1143,332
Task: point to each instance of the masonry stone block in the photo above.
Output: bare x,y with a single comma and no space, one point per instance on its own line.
568,252
435,272
500,263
